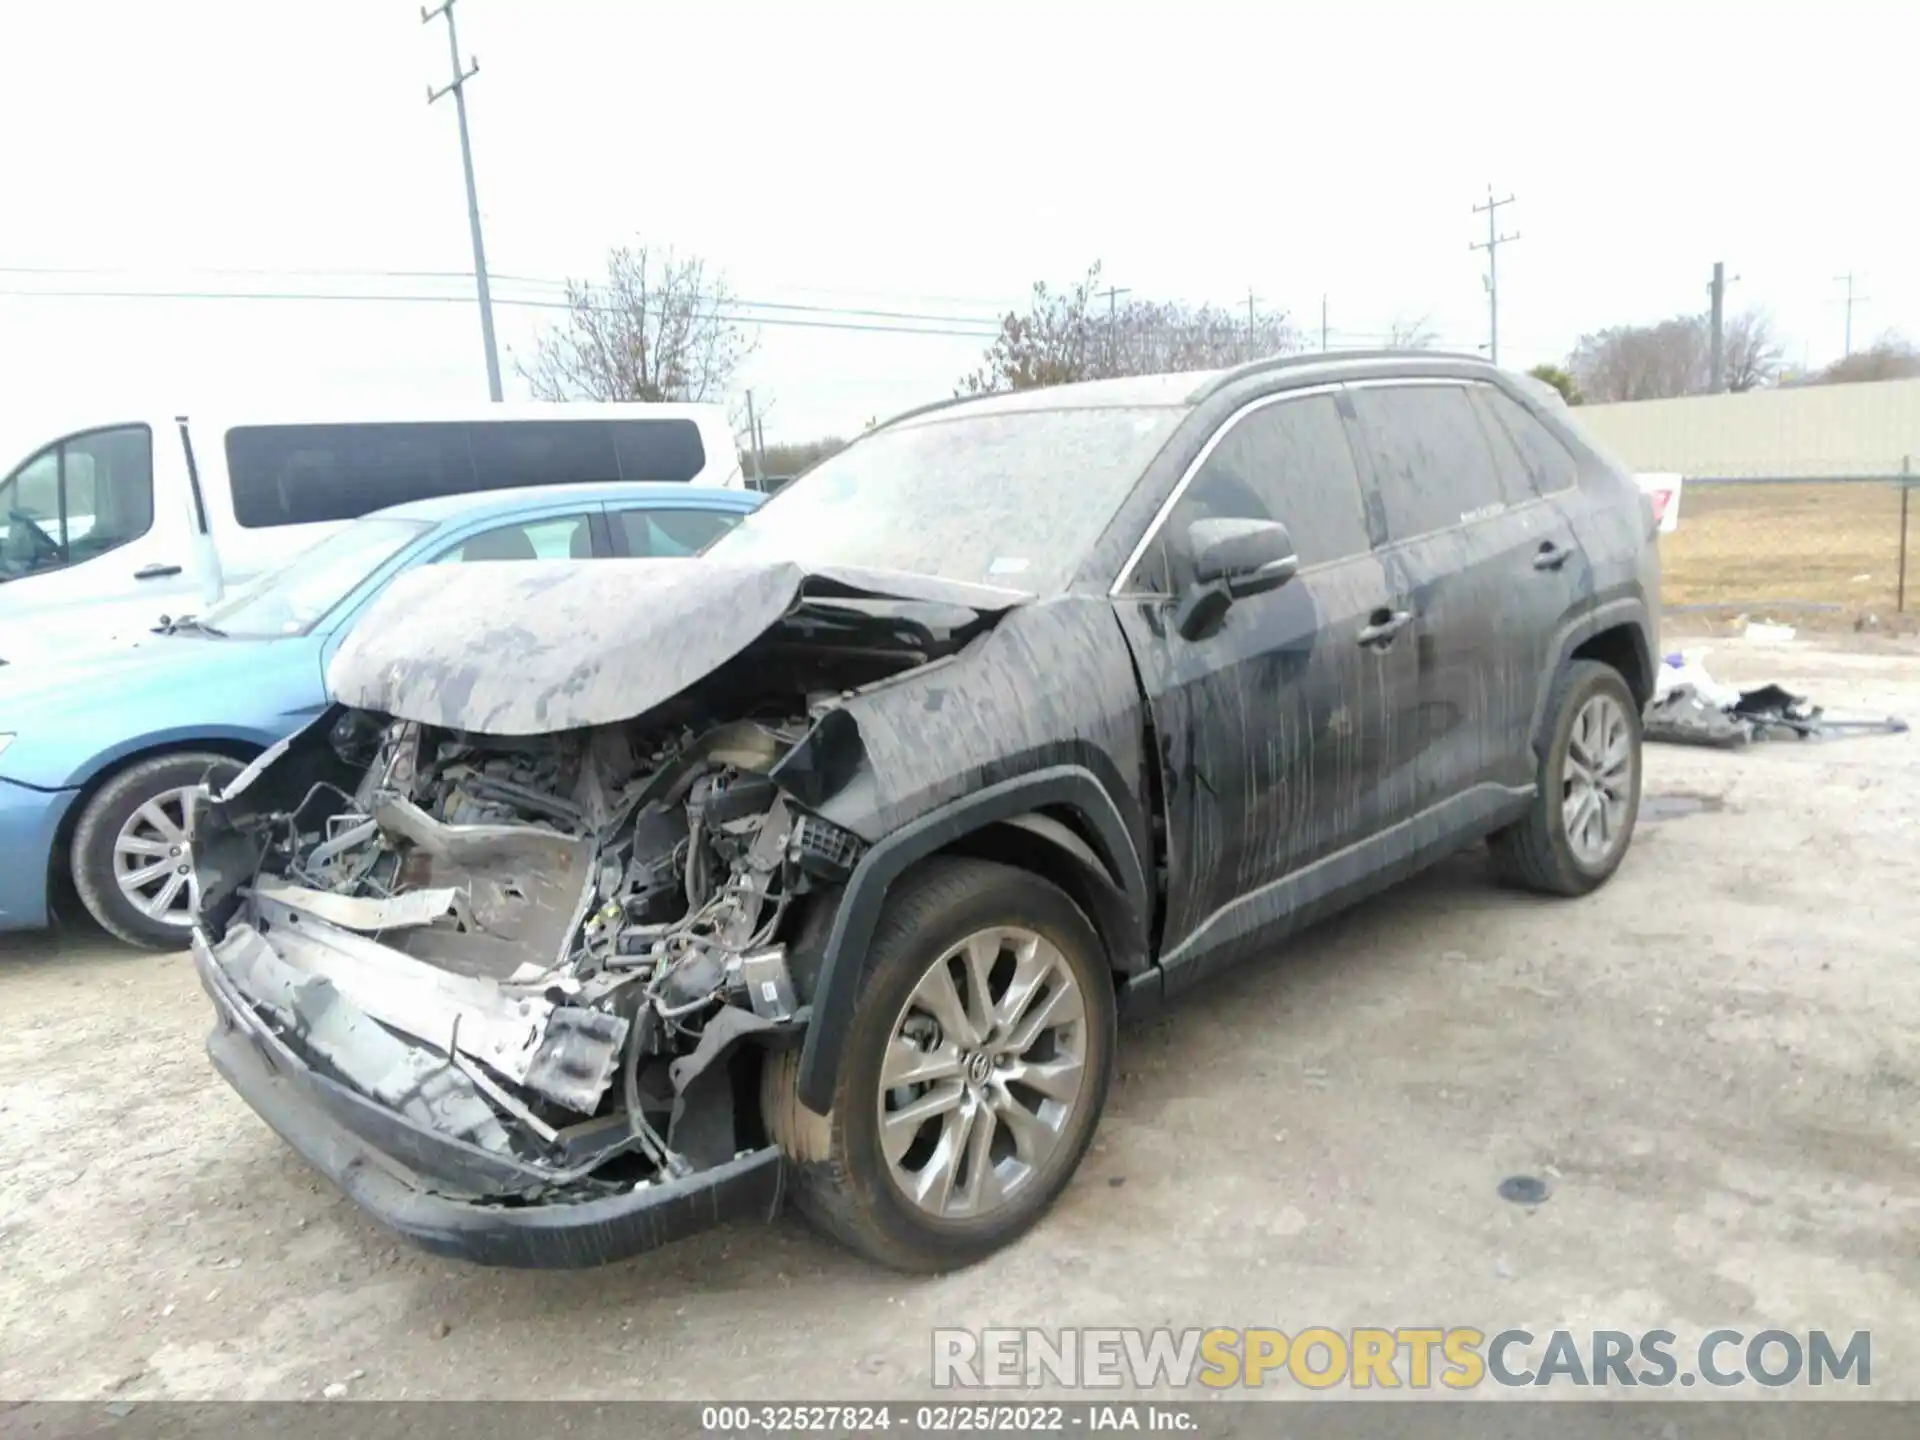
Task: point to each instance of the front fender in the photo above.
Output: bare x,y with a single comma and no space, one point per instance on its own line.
1065,787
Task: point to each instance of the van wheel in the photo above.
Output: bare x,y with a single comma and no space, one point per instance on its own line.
132,863
1582,819
975,1069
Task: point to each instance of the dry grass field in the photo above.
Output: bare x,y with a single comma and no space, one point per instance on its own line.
1819,545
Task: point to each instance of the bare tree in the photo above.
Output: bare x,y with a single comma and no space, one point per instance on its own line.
1411,333
1055,343
657,327
1674,357
1751,354
1066,336
1891,357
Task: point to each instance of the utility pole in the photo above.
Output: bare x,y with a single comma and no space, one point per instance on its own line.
457,88
1492,246
1113,294
753,443
1716,330
1851,301
1323,324
1252,300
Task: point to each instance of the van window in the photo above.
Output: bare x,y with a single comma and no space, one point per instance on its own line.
1289,462
303,474
1430,459
77,499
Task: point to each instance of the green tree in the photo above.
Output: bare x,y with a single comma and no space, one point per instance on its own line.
1560,380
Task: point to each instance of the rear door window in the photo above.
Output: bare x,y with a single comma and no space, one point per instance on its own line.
1288,461
552,537
1430,458
662,533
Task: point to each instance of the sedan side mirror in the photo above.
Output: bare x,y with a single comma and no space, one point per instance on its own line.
1232,559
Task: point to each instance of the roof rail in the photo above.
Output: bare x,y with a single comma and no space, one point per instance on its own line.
1224,378
928,408
1319,358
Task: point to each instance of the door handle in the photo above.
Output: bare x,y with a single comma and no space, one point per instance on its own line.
1382,626
1550,556
155,572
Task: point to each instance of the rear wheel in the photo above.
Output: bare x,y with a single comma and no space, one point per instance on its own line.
132,862
1582,819
974,1071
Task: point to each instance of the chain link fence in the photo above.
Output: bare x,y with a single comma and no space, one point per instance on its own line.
1836,547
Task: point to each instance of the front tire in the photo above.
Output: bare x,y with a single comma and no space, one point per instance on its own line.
1582,819
132,865
973,1076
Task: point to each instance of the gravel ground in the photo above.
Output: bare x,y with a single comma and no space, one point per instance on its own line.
1712,1062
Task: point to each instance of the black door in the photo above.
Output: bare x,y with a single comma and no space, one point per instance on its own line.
1464,535
1534,465
1275,732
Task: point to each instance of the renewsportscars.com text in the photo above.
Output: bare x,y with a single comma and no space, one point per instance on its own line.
1417,1358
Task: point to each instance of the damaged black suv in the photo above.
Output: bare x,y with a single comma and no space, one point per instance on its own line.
615,900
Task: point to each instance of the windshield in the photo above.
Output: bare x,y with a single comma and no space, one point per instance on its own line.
297,596
1013,499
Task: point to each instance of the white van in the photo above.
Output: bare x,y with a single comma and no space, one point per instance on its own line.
109,525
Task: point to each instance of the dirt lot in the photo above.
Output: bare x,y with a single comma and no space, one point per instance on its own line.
1820,545
1713,1063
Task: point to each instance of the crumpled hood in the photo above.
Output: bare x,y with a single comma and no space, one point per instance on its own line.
526,648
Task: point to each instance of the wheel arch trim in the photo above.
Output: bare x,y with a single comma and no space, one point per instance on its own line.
1062,787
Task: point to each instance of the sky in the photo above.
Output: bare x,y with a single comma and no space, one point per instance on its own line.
922,158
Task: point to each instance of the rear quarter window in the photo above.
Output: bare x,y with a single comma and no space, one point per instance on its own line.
1549,462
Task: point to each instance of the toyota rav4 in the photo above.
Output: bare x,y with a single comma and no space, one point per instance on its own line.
615,900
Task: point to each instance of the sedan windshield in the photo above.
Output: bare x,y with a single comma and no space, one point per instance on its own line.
1013,499
297,596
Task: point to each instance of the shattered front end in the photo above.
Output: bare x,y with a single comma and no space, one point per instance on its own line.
491,987
503,942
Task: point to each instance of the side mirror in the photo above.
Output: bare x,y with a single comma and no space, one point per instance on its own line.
1247,557
1232,560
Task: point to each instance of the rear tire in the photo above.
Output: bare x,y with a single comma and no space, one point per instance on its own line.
131,862
986,1113
1567,845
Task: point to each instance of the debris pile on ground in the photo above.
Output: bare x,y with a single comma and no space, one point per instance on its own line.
1690,707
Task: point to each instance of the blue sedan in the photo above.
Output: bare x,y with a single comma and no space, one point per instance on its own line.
100,757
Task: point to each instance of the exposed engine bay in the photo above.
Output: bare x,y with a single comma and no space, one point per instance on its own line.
548,947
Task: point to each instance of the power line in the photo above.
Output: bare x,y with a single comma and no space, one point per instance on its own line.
457,88
999,307
1492,246
738,301
734,316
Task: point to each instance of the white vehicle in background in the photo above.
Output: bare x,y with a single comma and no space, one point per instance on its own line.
108,525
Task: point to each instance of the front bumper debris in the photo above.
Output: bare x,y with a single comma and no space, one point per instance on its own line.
432,1188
